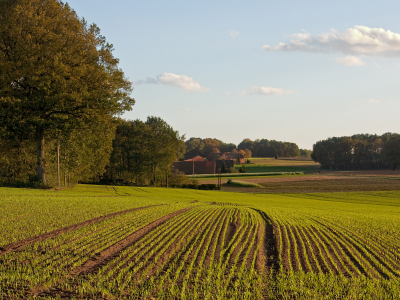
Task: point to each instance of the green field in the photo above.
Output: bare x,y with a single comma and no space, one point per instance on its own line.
97,242
265,164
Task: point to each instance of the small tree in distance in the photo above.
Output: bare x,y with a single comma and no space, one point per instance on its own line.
223,168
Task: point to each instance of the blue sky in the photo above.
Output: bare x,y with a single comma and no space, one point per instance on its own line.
295,71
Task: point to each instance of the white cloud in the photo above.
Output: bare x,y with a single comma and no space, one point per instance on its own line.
359,40
259,90
234,34
182,81
398,65
148,80
186,109
375,101
349,60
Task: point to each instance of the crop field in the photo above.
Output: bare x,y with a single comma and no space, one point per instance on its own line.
97,242
263,164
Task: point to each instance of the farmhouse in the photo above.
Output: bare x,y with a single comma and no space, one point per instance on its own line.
236,156
195,167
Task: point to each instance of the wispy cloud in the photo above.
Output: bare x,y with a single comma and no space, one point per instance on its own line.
182,81
259,90
148,80
359,40
234,34
374,101
349,60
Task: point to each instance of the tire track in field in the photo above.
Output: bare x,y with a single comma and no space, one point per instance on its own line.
18,245
111,252
267,255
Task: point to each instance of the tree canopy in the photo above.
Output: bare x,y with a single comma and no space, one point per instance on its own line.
56,73
360,151
269,148
144,151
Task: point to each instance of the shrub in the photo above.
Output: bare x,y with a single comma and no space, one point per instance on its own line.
209,186
233,170
242,169
241,184
223,168
177,178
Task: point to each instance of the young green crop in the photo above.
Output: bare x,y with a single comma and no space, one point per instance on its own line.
324,245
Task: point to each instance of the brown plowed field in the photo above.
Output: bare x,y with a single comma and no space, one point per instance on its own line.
316,183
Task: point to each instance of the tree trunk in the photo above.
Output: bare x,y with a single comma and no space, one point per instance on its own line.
58,162
65,172
41,162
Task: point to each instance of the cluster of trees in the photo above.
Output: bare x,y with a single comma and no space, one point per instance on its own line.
60,91
144,151
305,153
270,148
203,147
360,151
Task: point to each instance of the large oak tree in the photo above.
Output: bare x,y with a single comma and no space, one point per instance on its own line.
56,72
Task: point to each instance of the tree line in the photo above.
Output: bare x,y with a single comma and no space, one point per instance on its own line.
270,148
360,151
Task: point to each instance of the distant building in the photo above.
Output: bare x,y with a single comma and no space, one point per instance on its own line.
195,167
214,156
193,158
237,157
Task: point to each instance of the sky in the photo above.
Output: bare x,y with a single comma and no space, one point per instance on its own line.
296,71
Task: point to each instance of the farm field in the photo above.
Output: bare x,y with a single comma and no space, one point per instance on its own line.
266,164
315,183
97,242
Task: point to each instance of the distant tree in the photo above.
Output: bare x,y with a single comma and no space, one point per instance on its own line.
247,153
305,153
267,148
242,169
360,151
225,147
195,146
246,144
57,72
391,153
210,146
223,168
144,151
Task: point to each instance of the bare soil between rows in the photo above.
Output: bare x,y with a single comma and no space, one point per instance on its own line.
18,245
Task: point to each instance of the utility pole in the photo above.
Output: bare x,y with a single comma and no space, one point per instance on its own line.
58,162
193,170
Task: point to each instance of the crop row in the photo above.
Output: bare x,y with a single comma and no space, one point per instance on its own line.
44,263
206,245
329,248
